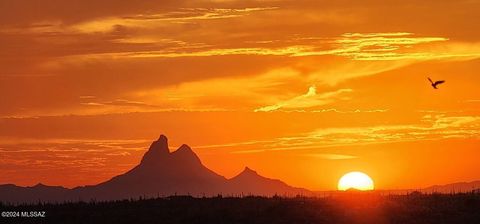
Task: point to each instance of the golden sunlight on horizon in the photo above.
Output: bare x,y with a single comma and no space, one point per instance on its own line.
357,181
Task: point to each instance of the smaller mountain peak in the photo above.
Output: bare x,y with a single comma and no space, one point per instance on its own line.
185,150
185,155
247,174
247,170
40,185
184,147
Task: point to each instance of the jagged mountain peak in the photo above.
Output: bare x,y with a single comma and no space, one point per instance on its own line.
159,156
248,171
163,138
158,151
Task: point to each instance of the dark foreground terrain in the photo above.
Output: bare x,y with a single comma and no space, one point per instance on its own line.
339,208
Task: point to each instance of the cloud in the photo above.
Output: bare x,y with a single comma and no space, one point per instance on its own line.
121,103
200,14
350,111
77,159
431,128
307,100
142,21
193,51
438,127
454,122
378,46
330,156
356,46
233,93
369,35
103,143
138,72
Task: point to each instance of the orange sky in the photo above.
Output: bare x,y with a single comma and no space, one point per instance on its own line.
303,91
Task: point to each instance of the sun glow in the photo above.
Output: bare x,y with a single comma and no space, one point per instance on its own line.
355,180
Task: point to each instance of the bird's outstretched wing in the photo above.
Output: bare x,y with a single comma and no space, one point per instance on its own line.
430,80
439,82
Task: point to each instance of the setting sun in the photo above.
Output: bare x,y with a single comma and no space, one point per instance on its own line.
355,180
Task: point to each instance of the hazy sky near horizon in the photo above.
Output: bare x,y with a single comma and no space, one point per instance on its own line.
303,91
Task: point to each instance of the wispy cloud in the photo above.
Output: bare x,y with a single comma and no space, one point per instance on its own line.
144,21
200,14
211,93
120,103
431,128
355,46
437,127
150,21
94,159
189,50
379,46
307,100
383,46
330,156
350,111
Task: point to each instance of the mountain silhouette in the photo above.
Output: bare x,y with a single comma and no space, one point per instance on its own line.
454,187
160,173
250,183
15,194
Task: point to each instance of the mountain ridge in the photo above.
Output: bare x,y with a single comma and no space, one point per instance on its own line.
159,173
454,187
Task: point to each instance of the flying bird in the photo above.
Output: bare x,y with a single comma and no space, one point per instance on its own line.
434,84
